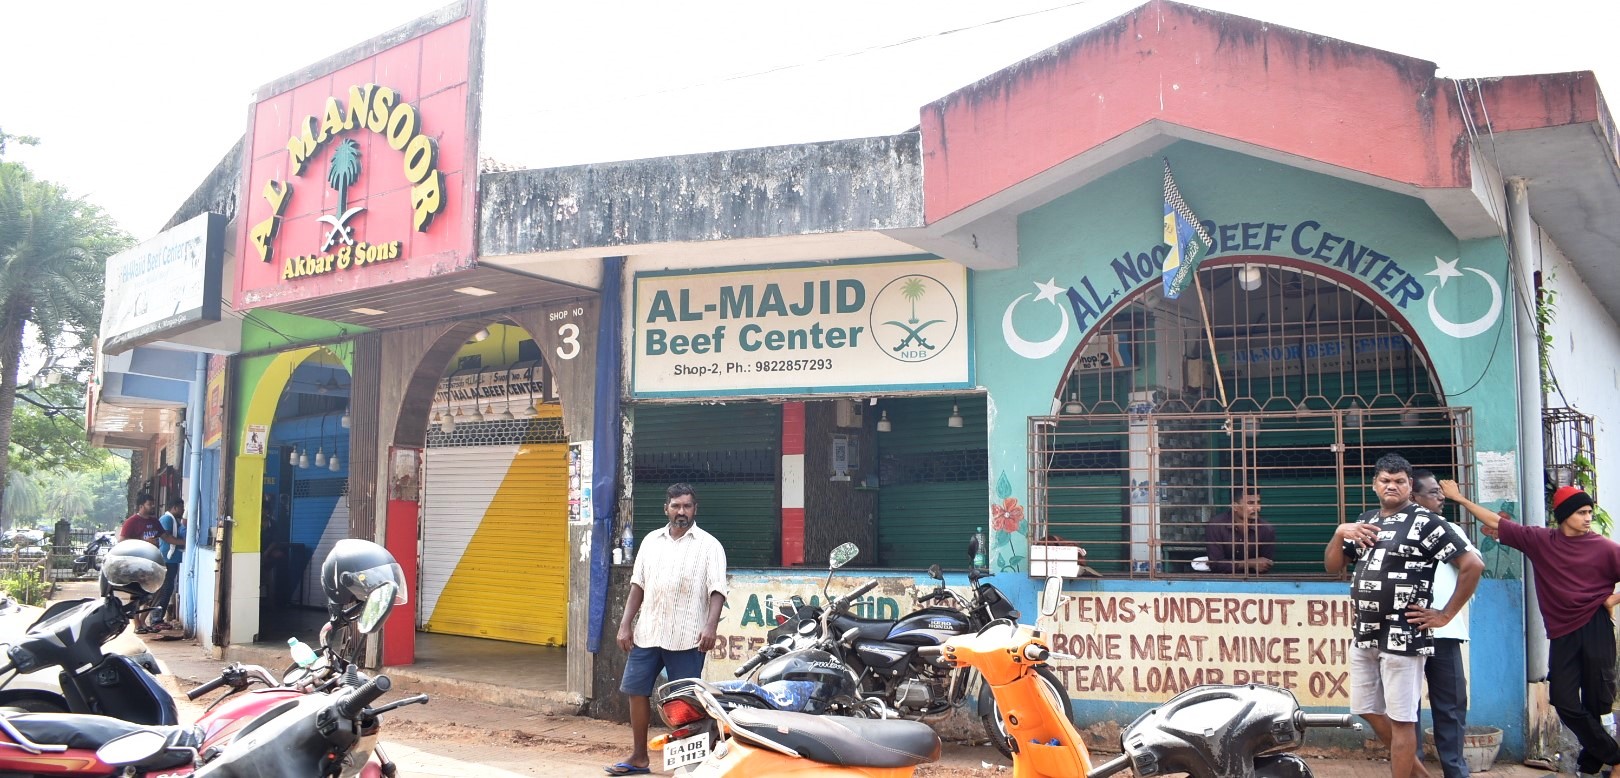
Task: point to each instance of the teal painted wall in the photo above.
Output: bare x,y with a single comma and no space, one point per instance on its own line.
1092,244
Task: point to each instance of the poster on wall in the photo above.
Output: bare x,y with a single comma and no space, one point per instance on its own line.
802,329
753,603
580,473
253,442
214,412
1145,647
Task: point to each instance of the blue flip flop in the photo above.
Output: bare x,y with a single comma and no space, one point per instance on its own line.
625,768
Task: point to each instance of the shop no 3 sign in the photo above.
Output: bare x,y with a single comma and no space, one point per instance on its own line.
802,329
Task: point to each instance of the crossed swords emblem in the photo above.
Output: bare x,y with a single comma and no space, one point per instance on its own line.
340,227
914,334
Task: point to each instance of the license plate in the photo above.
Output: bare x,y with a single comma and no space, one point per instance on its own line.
678,753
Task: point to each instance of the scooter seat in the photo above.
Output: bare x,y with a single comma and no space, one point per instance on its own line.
840,740
84,731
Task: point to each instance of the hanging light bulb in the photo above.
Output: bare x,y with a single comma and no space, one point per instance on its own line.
436,418
505,414
475,416
1250,278
303,460
1072,407
489,411
320,457
883,424
333,465
955,419
447,424
292,455
532,411
1352,418
343,420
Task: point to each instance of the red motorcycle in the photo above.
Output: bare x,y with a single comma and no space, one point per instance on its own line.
362,584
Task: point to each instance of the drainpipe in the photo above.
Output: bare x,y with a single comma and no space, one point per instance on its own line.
196,418
1532,508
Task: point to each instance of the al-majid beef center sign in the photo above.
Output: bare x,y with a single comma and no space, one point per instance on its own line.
362,171
802,329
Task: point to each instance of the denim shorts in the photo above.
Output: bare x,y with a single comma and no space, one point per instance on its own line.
642,667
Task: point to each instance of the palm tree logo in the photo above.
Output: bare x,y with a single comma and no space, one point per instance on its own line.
914,289
345,170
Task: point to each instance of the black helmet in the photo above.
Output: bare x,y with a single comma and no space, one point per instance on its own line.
353,571
828,678
135,566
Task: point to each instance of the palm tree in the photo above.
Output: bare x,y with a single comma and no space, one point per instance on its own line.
22,500
913,290
345,169
53,254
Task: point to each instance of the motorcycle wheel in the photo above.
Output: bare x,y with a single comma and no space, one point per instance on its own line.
1055,693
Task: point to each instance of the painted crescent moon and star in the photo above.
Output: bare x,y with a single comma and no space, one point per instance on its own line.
1445,271
1041,349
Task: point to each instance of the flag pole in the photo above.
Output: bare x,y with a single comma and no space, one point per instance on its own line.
1209,332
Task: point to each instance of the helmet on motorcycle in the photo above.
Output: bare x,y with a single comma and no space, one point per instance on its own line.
362,572
829,678
135,566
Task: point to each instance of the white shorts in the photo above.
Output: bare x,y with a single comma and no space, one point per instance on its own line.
1385,684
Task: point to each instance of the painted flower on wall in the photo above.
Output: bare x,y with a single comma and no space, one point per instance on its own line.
1008,516
1007,540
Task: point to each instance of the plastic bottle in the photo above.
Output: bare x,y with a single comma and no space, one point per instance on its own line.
627,542
976,545
302,654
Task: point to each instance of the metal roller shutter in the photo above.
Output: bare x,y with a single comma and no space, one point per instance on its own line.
934,482
730,454
494,556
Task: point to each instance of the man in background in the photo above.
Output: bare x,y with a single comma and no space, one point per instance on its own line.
1444,670
1238,540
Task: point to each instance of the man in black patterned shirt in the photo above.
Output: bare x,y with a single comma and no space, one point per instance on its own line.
1395,550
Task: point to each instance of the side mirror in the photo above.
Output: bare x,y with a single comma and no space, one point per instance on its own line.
1051,596
935,573
842,555
378,604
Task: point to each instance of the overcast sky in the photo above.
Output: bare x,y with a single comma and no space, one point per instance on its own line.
134,103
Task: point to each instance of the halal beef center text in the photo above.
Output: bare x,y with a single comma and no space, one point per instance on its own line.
751,301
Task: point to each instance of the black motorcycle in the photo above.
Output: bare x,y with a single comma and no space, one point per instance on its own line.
95,553
885,654
802,667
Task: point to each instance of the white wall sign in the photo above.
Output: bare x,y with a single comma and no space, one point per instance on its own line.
802,329
165,286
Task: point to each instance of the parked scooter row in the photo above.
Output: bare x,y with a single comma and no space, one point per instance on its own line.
314,721
825,660
1218,731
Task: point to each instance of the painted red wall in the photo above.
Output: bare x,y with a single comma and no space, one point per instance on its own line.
1307,95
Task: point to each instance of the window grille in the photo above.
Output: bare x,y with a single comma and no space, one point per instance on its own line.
1568,444
1319,382
509,432
1138,491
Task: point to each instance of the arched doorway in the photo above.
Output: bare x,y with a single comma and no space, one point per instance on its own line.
482,418
288,511
1319,380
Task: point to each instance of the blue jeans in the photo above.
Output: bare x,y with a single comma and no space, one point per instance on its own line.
164,595
1448,702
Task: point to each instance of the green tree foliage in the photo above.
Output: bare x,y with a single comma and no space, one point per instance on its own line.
53,251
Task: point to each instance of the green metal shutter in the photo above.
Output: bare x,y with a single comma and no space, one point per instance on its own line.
730,454
935,487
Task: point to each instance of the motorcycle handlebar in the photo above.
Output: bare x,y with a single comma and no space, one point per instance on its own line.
362,698
206,688
1327,720
758,660
844,601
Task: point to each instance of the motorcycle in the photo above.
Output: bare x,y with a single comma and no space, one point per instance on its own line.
95,553
885,654
802,668
1207,732
44,744
41,690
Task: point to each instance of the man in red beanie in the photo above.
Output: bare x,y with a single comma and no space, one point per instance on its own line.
1576,571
